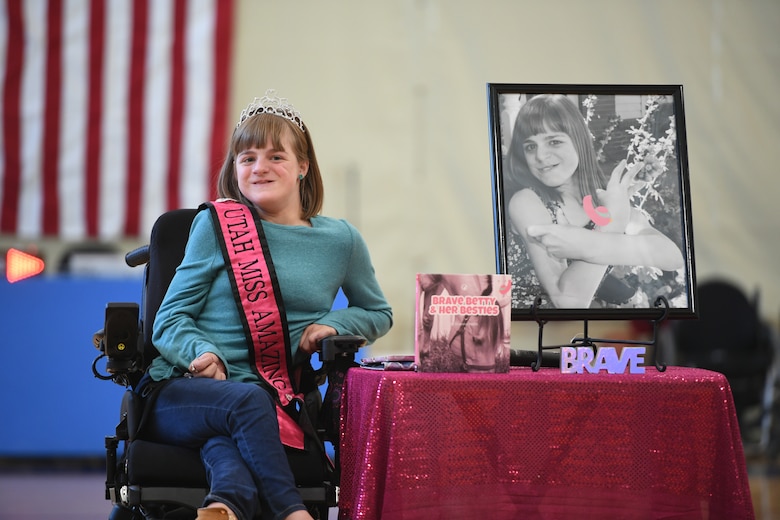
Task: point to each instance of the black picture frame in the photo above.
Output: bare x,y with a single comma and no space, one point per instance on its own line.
624,122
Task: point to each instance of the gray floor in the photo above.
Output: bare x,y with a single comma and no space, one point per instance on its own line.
78,495
57,496
54,496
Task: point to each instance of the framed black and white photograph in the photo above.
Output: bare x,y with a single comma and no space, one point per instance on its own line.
591,200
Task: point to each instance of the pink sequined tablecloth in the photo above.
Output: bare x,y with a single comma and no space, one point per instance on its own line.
541,445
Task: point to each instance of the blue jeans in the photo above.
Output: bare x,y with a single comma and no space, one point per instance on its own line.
235,427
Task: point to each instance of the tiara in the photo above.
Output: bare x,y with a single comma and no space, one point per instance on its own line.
270,104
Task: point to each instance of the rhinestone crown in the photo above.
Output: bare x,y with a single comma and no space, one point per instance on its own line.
270,104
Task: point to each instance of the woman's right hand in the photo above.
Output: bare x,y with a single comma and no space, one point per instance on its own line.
208,365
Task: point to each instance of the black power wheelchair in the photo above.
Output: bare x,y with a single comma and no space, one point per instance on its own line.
151,481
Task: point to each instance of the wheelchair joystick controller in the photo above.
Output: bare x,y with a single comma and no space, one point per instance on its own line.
118,341
340,346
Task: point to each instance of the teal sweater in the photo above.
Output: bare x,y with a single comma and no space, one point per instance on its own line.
199,314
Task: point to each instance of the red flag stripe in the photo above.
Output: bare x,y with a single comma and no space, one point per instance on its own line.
51,132
9,218
176,103
135,117
94,132
222,53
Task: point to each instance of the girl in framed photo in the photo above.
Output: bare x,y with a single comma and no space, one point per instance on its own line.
572,221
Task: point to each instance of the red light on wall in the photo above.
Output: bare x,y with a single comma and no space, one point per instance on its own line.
20,265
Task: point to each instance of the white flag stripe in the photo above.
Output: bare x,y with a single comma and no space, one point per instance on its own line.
113,149
32,113
199,102
157,114
75,63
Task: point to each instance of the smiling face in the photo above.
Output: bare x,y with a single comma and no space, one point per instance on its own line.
266,132
551,158
551,150
268,176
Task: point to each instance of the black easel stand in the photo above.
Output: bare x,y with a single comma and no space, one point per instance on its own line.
586,341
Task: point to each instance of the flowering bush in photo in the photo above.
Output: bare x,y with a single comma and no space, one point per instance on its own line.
652,140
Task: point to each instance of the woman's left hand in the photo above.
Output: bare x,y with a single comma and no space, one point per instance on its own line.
617,196
312,335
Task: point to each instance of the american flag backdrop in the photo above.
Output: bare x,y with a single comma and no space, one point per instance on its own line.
113,111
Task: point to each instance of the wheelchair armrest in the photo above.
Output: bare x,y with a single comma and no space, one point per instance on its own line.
138,256
340,346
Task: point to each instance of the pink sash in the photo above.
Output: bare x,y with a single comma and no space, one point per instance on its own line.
260,304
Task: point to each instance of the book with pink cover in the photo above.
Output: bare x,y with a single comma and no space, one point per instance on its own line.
462,322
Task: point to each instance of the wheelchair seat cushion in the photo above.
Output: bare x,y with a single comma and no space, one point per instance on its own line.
153,464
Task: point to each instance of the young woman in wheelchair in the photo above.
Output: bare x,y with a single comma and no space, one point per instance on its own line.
235,325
